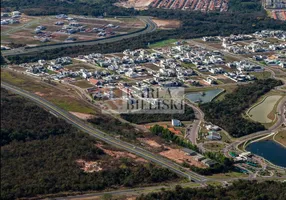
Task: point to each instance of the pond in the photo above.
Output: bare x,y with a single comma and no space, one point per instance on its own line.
269,150
203,97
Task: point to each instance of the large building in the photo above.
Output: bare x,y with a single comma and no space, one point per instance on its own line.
275,4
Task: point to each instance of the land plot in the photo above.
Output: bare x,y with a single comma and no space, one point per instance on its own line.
261,111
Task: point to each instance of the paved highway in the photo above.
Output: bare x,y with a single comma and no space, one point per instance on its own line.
105,137
150,27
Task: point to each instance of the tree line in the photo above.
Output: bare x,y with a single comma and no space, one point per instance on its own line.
167,135
239,190
159,117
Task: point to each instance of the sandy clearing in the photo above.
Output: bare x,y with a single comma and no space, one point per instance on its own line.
167,24
89,166
179,156
120,154
150,142
40,94
82,115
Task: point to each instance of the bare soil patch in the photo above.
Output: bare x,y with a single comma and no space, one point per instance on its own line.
179,156
120,154
150,142
89,166
82,115
167,24
40,94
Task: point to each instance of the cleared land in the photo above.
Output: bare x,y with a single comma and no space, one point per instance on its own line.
261,111
167,24
64,98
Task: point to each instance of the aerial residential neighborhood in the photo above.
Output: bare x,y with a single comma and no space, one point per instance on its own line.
143,99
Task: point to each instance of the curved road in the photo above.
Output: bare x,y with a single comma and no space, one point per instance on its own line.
149,28
105,137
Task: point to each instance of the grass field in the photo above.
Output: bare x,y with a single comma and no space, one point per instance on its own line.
163,43
65,100
261,75
78,66
74,106
214,146
281,137
82,84
228,175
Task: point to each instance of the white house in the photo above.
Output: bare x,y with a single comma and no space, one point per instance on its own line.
176,122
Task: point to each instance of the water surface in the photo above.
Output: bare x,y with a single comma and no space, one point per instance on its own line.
203,97
269,150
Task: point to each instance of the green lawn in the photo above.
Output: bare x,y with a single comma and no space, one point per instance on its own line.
261,75
6,76
74,106
214,146
281,137
228,175
163,43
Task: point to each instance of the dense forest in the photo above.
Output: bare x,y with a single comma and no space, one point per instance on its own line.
39,153
244,17
228,112
245,5
239,190
148,118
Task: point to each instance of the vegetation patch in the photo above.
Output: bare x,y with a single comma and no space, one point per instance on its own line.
228,112
74,106
42,154
62,99
162,43
169,136
238,190
149,118
82,84
261,75
281,137
214,146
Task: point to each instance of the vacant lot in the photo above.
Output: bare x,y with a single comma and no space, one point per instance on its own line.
62,97
167,24
179,156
